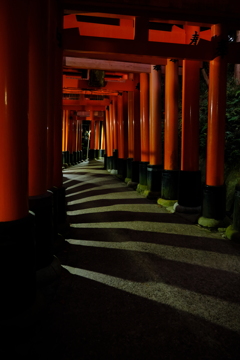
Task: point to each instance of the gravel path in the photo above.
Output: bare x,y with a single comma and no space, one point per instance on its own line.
139,282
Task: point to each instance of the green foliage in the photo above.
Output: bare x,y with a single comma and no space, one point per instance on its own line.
232,135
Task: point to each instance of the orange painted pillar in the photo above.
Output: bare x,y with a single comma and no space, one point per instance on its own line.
108,139
115,123
130,131
136,130
40,201
154,169
115,144
169,187
214,202
74,138
14,114
38,100
63,129
125,122
92,135
57,137
144,127
190,188
70,137
103,135
97,139
130,120
17,267
120,126
50,93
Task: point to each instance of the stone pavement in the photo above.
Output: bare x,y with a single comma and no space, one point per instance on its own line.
137,281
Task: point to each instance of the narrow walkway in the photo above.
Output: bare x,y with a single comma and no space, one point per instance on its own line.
139,282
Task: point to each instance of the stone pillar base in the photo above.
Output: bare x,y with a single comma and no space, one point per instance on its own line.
143,173
135,171
214,202
109,163
115,159
122,168
91,154
189,189
154,179
17,266
129,168
42,207
169,187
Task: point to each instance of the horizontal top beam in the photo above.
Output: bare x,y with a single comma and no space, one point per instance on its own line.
106,65
198,11
126,49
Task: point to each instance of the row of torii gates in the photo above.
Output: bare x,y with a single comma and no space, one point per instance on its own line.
131,133
32,195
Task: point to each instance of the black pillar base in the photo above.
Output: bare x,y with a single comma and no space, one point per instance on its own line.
91,154
154,178
169,187
97,154
63,158
135,171
105,162
122,168
115,160
102,153
129,168
42,207
109,163
71,160
17,266
80,155
75,157
59,206
214,202
66,157
190,188
143,173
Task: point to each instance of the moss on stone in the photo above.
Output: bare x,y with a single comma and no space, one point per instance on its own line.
232,234
166,203
141,188
209,223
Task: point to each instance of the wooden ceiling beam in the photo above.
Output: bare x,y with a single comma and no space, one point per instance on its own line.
106,65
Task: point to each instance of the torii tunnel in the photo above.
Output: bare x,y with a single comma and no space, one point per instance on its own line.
70,66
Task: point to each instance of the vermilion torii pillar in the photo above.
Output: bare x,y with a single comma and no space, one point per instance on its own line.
109,138
189,194
169,190
136,130
122,117
17,246
92,138
130,131
144,130
40,200
114,122
214,202
97,138
154,169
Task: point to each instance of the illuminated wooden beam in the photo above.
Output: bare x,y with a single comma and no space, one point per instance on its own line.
145,59
71,103
105,65
144,52
127,85
73,41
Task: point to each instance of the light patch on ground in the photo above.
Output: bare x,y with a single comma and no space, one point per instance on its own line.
214,310
208,259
